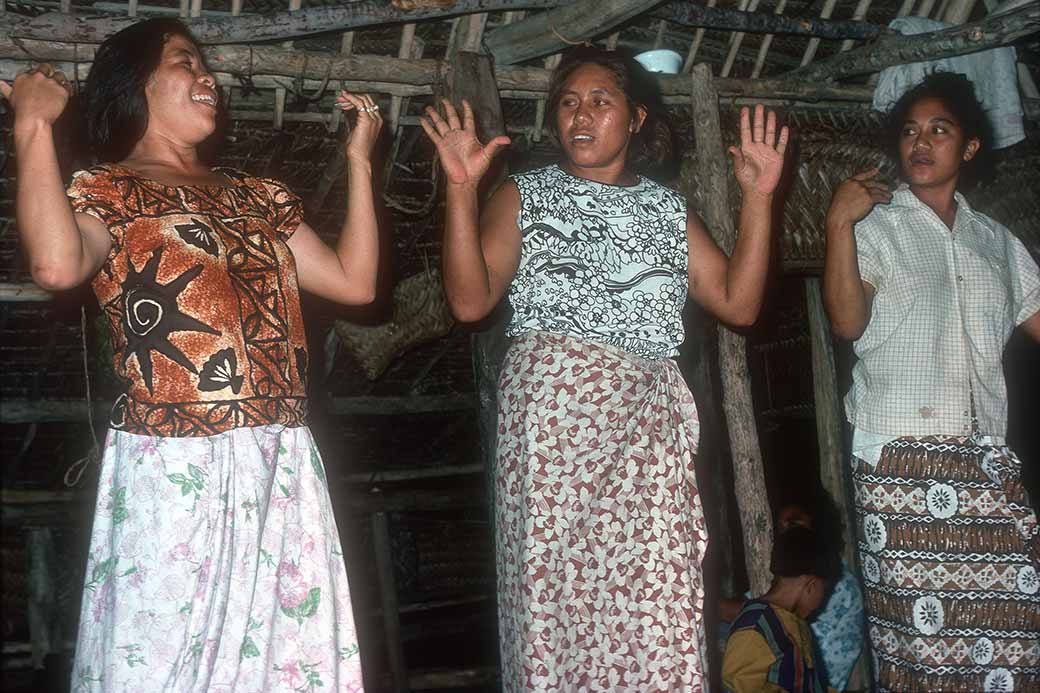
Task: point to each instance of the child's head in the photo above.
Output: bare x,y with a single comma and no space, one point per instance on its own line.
807,563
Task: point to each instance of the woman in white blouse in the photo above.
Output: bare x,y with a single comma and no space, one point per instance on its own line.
930,291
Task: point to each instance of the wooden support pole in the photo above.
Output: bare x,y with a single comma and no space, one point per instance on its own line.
829,419
834,471
472,78
749,477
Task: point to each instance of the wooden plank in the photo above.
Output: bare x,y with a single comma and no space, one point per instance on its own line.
383,550
390,475
11,292
457,678
749,478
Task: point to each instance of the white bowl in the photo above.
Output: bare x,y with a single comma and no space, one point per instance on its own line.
661,60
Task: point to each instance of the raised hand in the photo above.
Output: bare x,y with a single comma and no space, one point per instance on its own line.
759,160
39,94
854,198
464,159
366,131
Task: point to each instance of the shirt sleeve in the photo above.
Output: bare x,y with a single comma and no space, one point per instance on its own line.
1025,282
286,211
746,663
869,247
95,192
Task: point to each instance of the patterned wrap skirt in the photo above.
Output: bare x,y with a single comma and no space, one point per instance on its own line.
215,566
949,551
600,528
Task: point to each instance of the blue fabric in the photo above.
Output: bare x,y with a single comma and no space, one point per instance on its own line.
838,629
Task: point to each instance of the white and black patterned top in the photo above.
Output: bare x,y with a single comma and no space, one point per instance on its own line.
601,262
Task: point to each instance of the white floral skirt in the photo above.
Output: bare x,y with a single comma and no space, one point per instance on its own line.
215,565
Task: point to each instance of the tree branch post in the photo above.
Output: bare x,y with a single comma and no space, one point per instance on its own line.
748,472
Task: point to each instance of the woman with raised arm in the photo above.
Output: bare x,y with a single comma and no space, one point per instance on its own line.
599,522
215,562
930,290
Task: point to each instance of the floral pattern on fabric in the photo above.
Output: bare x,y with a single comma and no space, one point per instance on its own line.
947,564
601,262
601,533
215,566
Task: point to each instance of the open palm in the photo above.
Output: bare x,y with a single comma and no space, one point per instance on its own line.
759,160
464,159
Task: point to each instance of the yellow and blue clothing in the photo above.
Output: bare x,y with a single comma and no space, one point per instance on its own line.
770,649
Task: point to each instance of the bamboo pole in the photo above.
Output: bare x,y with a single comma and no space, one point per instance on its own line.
862,7
767,41
814,43
698,37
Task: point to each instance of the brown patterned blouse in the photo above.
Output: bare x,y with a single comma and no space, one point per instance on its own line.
201,297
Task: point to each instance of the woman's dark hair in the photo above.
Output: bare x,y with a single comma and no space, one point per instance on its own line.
652,149
802,551
114,103
958,95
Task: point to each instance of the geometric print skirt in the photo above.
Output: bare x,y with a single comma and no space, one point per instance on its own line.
215,566
600,532
949,550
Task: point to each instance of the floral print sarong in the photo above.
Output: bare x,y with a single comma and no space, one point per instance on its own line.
600,529
215,566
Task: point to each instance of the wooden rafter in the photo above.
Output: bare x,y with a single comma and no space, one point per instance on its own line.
280,26
992,31
549,32
717,18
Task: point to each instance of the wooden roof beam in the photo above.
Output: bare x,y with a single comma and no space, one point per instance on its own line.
897,49
552,31
280,26
719,19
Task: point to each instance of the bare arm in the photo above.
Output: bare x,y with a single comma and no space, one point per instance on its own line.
732,288
348,273
65,249
846,296
480,256
1032,326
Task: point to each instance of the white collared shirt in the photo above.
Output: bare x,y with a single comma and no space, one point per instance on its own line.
946,304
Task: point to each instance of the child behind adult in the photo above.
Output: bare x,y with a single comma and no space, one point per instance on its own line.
770,647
